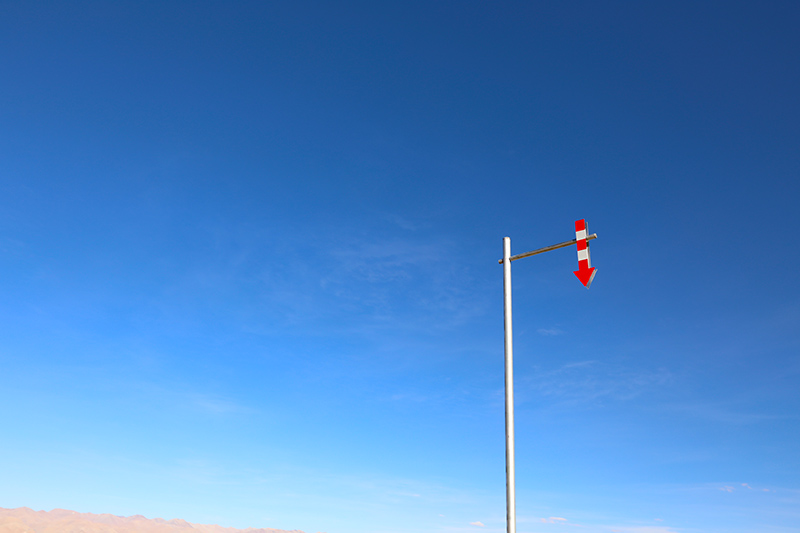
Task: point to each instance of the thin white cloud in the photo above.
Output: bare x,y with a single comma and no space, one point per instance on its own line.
181,396
553,520
723,412
643,529
479,524
727,488
576,364
409,397
589,382
549,331
414,282
216,405
400,222
405,494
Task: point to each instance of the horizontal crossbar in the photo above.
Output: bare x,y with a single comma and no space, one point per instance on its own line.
548,248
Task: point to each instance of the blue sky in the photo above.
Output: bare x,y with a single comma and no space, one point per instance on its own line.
249,270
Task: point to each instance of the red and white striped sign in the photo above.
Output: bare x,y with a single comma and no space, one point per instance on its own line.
585,272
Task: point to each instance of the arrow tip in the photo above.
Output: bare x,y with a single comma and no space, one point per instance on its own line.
586,275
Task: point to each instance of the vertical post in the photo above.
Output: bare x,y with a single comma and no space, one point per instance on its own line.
511,512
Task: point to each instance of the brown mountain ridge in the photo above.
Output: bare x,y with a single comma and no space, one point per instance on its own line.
24,520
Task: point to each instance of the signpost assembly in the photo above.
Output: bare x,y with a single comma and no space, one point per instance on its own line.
585,274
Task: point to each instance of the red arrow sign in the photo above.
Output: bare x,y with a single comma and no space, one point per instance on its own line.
585,270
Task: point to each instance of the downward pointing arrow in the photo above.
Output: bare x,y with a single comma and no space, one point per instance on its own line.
585,272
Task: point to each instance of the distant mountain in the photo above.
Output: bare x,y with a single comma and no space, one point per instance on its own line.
24,520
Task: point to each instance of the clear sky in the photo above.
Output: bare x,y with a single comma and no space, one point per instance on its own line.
248,254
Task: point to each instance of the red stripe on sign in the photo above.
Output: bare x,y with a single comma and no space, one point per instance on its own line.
582,244
583,265
580,224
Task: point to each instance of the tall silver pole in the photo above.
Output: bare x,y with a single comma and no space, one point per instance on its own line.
511,511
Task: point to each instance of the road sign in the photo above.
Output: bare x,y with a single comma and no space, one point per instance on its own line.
585,272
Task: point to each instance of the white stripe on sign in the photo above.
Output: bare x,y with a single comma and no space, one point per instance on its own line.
583,255
580,235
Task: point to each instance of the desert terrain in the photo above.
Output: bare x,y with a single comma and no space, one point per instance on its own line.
24,520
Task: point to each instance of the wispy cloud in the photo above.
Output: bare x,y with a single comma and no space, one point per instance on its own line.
730,488
216,405
411,397
400,221
549,331
11,246
590,381
722,412
554,520
415,283
643,529
479,524
378,262
402,281
173,394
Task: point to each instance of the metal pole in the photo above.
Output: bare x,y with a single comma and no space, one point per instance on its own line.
511,512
